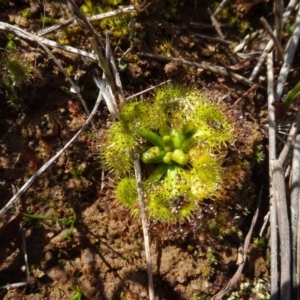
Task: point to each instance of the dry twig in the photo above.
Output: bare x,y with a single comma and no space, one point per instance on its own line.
297,273
138,177
216,24
72,83
73,22
34,38
284,154
148,90
108,96
114,69
97,42
288,57
279,196
278,14
273,37
24,246
221,71
295,193
222,5
272,156
217,27
269,46
213,39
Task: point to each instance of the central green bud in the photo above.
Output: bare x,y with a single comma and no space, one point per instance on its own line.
168,151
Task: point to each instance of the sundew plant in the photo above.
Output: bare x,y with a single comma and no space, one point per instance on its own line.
182,137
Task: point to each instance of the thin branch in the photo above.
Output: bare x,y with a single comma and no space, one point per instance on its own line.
279,195
288,10
148,90
114,69
298,255
13,285
288,57
138,177
34,38
270,44
271,108
250,90
203,26
272,156
109,99
73,22
261,60
24,246
278,14
273,37
72,83
264,225
221,71
213,39
222,5
217,27
31,180
290,140
216,24
242,44
97,42
56,27
295,188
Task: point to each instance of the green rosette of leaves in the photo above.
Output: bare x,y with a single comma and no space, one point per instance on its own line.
182,137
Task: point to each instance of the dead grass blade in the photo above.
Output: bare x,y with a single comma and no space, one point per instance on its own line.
289,54
273,37
279,196
221,71
138,177
295,192
73,22
270,44
272,156
97,42
34,38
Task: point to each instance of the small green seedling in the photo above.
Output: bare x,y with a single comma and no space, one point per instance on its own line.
66,221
